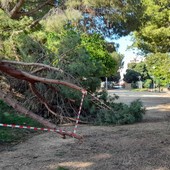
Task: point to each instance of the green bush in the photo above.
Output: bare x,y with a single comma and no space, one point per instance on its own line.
147,83
137,110
121,114
134,85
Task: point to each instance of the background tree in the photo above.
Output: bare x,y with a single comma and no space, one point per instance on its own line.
153,35
131,76
141,68
158,67
17,9
105,17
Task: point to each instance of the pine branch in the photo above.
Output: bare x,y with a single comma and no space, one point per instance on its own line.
14,13
14,72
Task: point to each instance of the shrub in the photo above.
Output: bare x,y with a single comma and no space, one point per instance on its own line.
3,108
147,83
121,114
137,110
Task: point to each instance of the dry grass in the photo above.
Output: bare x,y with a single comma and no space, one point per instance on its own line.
142,146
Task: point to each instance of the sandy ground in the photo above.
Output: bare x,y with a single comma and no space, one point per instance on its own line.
142,146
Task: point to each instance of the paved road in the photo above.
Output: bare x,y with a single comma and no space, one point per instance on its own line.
148,98
157,104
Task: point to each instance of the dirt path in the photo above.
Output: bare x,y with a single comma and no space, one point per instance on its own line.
142,146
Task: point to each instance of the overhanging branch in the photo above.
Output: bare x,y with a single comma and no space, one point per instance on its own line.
14,72
14,12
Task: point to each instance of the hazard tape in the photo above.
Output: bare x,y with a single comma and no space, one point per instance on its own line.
60,131
84,92
31,128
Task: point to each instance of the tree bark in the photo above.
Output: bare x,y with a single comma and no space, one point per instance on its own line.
15,10
16,73
12,102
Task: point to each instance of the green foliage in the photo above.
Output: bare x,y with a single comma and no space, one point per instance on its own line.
96,47
4,106
63,18
131,76
147,83
35,9
119,17
153,34
137,110
158,66
83,56
141,68
155,67
121,114
13,35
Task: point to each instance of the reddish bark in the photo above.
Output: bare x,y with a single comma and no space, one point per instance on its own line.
14,12
7,68
12,102
22,110
14,72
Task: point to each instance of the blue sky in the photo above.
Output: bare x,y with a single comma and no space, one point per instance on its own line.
129,54
124,43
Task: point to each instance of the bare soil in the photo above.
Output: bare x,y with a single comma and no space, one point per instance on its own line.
141,146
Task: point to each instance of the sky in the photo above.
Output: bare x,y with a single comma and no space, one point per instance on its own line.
124,43
129,54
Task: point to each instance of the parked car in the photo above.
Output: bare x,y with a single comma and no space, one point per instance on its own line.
118,87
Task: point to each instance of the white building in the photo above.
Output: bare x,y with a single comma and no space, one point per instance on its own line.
126,61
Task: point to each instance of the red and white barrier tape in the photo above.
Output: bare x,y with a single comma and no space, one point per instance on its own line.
84,92
60,131
31,128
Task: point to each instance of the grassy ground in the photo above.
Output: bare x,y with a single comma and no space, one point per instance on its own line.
9,116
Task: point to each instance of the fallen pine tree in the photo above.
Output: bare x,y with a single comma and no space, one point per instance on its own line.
52,96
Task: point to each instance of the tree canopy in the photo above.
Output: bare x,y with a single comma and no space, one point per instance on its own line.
141,68
158,66
153,35
114,16
131,76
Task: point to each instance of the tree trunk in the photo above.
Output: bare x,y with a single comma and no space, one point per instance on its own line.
5,67
12,102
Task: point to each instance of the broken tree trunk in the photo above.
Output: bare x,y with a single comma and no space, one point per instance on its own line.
5,67
14,103
8,67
